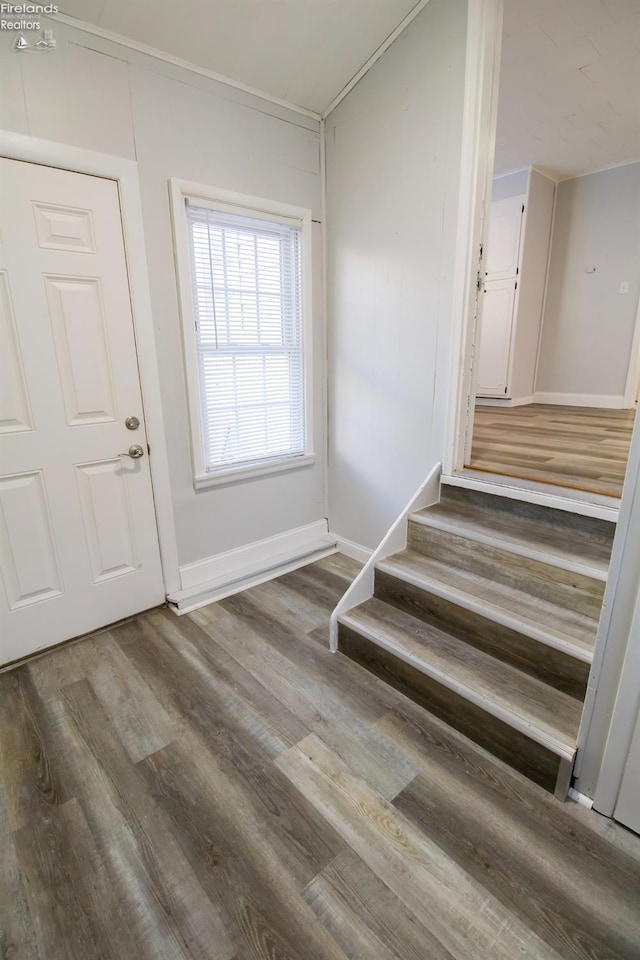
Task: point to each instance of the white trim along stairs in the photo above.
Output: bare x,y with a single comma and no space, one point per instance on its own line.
484,610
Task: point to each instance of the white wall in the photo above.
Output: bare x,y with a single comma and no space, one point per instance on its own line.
393,162
507,185
102,96
588,325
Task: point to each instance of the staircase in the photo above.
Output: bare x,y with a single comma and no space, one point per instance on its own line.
488,619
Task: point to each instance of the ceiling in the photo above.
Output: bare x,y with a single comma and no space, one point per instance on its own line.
570,72
569,85
301,51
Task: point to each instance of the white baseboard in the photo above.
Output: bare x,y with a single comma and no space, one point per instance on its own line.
227,573
353,550
499,402
580,798
580,400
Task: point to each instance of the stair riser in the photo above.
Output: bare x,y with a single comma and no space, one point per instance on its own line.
544,580
496,736
553,667
599,532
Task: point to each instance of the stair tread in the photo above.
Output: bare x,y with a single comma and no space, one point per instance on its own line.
563,627
542,712
579,551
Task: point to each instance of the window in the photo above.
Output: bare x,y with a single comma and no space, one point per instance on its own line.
244,335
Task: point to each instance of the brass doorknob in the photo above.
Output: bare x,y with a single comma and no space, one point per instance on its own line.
135,452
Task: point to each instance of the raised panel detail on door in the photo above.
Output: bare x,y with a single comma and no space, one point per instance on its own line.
107,518
503,241
64,228
495,339
27,554
15,415
84,365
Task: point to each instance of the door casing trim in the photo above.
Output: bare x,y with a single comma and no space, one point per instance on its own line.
482,74
14,146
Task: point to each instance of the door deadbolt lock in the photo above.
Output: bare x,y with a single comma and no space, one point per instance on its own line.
132,423
135,451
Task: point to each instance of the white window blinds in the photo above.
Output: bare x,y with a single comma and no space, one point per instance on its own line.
247,304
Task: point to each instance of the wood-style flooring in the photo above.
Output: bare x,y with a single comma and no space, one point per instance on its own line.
220,787
584,448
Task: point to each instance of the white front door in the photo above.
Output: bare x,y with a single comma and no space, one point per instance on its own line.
78,538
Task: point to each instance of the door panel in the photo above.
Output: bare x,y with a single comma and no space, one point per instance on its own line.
27,553
64,228
107,519
78,547
495,338
15,415
77,319
503,241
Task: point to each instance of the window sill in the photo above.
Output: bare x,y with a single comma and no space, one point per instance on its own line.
250,471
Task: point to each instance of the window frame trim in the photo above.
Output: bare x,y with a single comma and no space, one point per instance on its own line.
181,191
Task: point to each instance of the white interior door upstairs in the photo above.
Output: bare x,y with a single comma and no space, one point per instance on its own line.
503,241
78,537
495,342
498,306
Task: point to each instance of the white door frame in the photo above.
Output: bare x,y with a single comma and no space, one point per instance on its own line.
632,386
607,720
15,146
482,75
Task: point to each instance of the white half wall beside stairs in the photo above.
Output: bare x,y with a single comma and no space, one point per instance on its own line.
396,539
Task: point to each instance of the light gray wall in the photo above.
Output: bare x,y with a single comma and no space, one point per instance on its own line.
588,325
510,185
102,96
393,160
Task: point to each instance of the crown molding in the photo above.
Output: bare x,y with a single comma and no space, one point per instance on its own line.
97,31
402,26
